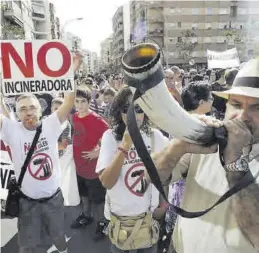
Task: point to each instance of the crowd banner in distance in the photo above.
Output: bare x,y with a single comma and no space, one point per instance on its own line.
223,60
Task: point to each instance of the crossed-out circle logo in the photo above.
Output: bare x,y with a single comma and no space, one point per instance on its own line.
40,166
79,134
135,180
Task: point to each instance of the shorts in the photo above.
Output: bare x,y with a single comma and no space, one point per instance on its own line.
34,217
91,188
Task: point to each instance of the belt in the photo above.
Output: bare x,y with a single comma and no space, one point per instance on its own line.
41,200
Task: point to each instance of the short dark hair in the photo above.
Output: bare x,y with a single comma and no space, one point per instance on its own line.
57,100
230,76
175,69
109,92
80,93
194,93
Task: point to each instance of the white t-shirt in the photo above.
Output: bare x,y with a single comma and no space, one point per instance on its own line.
127,197
42,177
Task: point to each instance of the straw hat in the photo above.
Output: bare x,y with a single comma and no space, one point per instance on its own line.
246,82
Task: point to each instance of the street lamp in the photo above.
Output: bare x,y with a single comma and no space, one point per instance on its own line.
67,23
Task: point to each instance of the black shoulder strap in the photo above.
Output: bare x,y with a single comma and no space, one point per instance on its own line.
29,155
152,171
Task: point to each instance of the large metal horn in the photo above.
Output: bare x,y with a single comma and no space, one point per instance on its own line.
144,72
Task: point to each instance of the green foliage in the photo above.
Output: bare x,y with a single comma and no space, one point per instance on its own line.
16,31
186,45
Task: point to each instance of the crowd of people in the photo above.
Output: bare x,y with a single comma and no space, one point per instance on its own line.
107,178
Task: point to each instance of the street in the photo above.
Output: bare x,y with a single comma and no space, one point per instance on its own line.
80,241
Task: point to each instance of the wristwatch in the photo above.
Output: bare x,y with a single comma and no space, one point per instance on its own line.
240,164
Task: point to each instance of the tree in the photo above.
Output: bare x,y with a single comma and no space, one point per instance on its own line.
186,44
235,36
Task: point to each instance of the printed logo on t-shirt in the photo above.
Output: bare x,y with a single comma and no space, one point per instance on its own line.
132,156
79,134
42,145
135,180
40,166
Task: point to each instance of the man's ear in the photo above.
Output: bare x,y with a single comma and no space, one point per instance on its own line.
201,102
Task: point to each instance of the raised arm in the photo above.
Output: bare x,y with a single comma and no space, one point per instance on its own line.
64,111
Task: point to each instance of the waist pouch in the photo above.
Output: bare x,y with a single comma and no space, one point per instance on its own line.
131,233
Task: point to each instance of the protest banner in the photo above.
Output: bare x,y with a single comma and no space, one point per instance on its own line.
36,66
6,172
226,59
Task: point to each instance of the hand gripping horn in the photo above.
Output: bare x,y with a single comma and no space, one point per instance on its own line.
144,72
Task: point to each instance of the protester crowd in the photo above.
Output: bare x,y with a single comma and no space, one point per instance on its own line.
100,169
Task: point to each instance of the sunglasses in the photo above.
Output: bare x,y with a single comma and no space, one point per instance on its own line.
137,109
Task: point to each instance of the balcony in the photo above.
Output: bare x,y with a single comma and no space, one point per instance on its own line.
38,12
13,12
157,32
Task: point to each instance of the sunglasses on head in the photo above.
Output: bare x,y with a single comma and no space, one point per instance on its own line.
137,109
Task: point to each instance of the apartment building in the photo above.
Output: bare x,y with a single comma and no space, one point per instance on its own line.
91,61
118,37
16,20
186,29
106,52
41,19
74,41
54,22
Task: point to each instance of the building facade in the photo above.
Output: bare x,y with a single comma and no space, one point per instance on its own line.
186,29
54,22
75,42
106,52
91,61
41,19
16,20
118,38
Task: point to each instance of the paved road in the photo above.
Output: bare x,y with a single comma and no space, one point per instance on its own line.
80,241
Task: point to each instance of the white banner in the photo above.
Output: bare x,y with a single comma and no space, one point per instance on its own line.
68,182
36,66
6,172
226,59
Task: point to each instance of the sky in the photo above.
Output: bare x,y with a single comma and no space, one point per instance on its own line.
97,19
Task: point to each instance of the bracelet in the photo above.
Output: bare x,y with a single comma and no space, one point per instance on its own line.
124,151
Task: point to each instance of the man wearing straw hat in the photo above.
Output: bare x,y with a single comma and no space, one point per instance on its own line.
232,226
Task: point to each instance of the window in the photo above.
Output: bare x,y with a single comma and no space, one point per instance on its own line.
172,40
171,25
194,26
221,25
194,40
207,39
179,39
233,11
194,11
209,10
242,11
223,11
208,26
179,24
